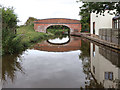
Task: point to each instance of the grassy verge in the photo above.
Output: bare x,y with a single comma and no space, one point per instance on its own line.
29,36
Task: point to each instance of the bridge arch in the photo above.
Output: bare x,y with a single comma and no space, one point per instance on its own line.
42,24
58,25
60,43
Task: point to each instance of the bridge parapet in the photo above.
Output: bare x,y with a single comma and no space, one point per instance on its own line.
43,24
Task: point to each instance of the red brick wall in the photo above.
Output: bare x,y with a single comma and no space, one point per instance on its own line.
42,25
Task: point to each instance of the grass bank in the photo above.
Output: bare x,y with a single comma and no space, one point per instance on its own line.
29,36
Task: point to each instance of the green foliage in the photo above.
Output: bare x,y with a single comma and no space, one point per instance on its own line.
85,20
15,43
58,29
9,19
10,42
30,21
100,7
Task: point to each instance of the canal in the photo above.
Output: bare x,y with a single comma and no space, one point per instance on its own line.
65,62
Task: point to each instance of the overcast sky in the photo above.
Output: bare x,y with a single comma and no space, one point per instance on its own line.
42,9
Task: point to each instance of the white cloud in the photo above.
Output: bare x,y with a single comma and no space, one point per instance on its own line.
44,9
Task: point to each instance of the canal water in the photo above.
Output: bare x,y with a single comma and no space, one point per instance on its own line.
67,62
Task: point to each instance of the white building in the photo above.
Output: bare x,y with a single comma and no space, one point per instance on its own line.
98,21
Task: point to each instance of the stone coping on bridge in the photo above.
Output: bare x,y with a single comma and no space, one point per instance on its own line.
53,23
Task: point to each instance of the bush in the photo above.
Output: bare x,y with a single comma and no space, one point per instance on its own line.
30,21
10,42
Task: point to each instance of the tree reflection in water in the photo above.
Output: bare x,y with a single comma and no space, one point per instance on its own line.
10,65
85,57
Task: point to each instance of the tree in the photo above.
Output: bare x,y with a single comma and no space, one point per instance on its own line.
9,19
11,43
30,21
100,7
85,20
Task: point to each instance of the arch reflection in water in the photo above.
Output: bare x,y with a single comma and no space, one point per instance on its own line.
105,66
72,44
59,41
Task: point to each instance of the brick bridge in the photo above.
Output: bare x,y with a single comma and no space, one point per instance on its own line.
73,44
42,24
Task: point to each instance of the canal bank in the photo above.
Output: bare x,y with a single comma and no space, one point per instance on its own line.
97,39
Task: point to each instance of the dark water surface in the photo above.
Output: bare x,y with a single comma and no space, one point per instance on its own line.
68,62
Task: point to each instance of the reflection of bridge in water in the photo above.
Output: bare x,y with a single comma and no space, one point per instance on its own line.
74,43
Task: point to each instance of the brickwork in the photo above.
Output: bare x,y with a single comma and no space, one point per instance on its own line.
43,24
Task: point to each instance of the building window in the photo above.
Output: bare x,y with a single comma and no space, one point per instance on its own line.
108,75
